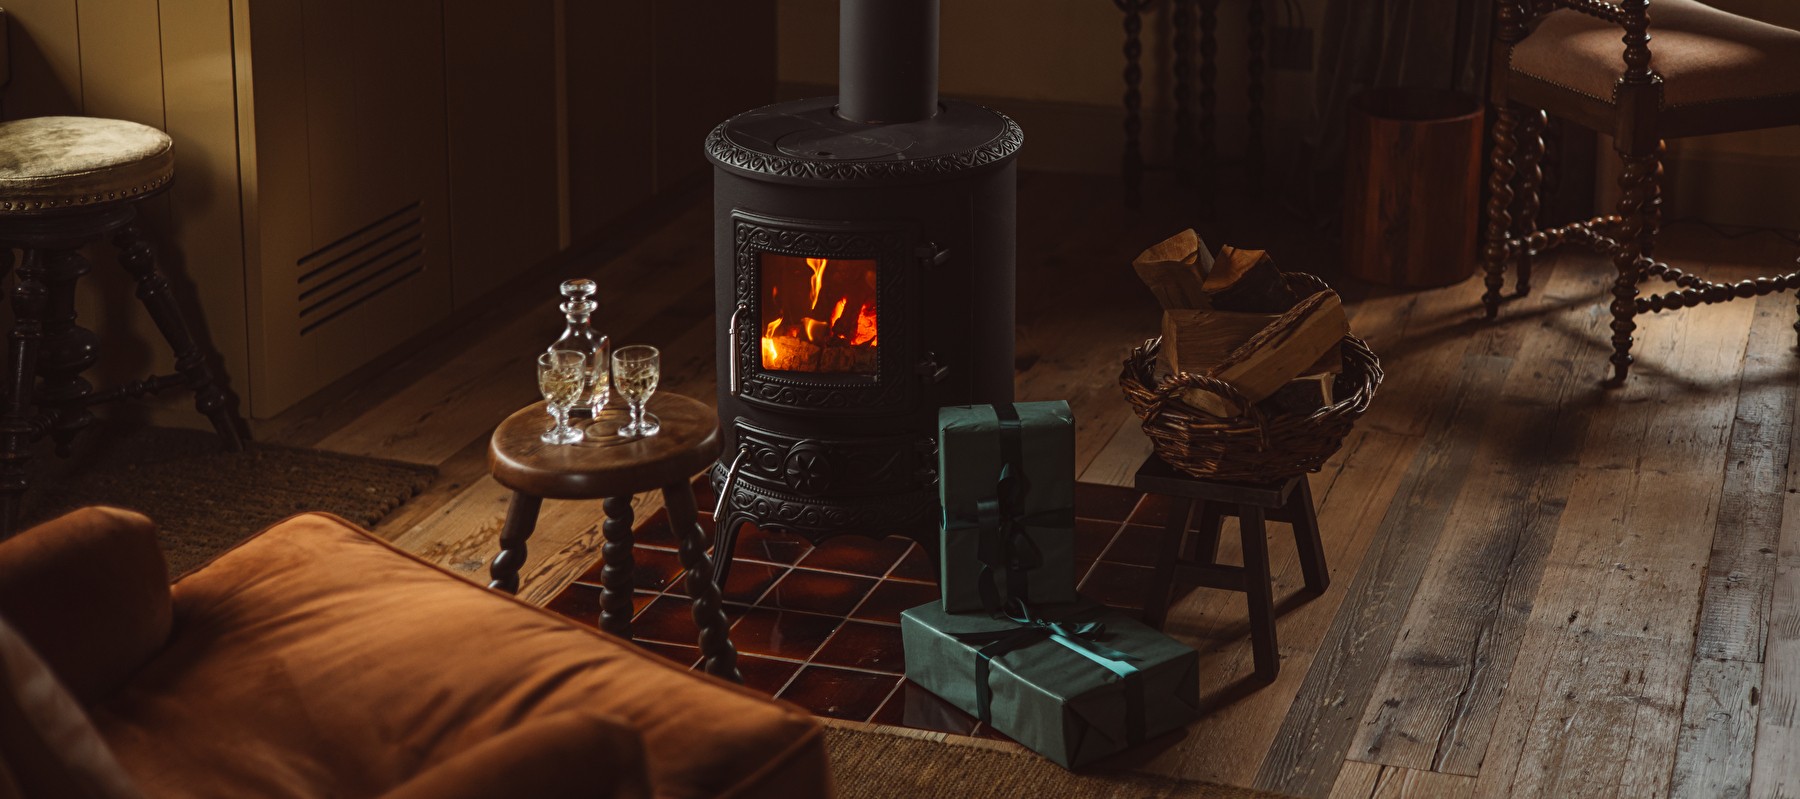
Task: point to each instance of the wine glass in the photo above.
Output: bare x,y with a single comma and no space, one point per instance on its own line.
562,374
635,371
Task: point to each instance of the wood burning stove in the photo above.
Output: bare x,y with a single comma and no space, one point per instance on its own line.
863,269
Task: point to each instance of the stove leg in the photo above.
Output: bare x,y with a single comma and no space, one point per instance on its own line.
725,535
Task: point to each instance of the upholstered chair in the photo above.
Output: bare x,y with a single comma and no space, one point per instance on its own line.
1643,71
317,660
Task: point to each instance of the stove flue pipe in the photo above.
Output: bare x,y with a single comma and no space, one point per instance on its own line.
887,60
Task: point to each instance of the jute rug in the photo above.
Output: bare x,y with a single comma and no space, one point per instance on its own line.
877,762
206,500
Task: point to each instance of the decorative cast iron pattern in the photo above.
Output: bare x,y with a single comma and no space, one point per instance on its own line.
911,513
754,236
723,150
816,467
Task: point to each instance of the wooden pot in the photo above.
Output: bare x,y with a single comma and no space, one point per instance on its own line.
1412,183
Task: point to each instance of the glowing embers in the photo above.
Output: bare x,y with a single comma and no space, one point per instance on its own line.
818,315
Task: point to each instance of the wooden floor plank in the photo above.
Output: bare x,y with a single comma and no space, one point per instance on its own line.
1718,730
1435,703
1741,568
1319,727
1775,773
1595,700
1361,780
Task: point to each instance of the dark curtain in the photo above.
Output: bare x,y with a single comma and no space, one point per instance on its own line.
1391,43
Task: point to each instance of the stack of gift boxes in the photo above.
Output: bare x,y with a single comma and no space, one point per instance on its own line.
1009,641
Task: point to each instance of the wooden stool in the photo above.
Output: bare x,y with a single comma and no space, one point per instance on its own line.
1195,561
613,470
69,182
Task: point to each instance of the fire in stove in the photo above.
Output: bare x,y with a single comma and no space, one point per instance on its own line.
818,315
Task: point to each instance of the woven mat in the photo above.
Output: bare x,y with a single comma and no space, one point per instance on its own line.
206,500
876,762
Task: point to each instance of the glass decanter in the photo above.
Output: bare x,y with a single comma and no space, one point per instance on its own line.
581,337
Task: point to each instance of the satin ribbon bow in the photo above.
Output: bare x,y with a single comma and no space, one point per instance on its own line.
1081,638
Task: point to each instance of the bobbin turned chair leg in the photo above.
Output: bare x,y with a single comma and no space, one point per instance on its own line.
1634,236
1531,180
1500,199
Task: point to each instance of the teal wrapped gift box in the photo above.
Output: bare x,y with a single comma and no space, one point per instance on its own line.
1006,481
1075,683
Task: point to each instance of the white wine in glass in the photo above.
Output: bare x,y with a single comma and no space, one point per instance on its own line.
562,377
636,370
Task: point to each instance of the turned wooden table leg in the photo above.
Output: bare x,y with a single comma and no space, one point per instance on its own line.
521,519
616,580
719,656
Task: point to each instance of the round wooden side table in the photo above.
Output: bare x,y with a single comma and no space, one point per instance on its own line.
613,469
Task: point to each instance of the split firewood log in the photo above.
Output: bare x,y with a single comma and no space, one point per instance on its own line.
1247,281
1285,349
1175,270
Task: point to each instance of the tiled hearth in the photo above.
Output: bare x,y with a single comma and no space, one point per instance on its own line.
820,626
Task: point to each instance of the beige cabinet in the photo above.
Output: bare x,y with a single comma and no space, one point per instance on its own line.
350,173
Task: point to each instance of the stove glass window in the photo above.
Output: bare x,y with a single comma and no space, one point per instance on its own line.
818,315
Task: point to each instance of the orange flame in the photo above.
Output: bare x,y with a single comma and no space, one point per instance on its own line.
817,265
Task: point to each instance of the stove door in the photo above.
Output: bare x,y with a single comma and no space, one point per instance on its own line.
823,315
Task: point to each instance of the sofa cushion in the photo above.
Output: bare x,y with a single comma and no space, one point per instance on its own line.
1703,54
47,745
317,660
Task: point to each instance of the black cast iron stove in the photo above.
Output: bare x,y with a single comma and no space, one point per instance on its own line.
864,268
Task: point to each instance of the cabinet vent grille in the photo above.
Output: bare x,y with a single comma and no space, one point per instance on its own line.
358,267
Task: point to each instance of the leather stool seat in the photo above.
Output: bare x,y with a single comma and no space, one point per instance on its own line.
53,164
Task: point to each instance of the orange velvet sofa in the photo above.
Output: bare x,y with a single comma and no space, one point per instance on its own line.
315,660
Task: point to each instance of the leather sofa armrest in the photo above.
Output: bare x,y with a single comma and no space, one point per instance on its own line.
90,592
569,755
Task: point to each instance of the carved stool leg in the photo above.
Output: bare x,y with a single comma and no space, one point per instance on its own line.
1500,198
1156,601
68,350
1259,592
1531,179
19,423
521,520
1305,520
719,656
616,579
211,397
1640,170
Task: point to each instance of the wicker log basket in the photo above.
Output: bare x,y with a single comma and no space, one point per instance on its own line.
1256,446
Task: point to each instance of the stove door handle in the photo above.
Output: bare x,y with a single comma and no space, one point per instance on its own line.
731,352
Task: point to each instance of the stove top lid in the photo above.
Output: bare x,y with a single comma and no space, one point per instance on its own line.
807,141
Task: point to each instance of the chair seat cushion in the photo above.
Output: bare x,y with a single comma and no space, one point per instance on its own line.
49,164
1703,54
316,660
